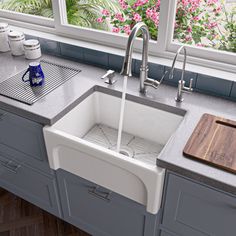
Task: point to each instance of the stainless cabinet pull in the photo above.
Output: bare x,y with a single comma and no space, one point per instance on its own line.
99,194
10,166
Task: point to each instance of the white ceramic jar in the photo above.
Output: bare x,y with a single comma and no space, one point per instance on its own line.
32,49
16,41
4,30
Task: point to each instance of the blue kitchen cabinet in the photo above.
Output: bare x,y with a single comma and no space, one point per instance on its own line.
24,139
101,212
191,208
24,168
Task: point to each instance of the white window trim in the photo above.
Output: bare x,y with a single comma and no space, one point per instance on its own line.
226,75
163,48
19,17
91,35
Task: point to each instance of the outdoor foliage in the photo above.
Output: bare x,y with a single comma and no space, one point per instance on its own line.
34,7
85,12
205,23
79,12
133,12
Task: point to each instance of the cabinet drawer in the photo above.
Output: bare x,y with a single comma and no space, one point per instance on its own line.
193,209
101,212
30,184
24,137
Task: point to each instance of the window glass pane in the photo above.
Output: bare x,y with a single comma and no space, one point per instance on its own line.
117,16
206,23
33,7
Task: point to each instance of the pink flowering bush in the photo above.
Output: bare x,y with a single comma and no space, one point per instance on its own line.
131,13
197,19
205,23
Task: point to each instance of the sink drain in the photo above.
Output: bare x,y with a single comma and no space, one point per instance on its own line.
124,152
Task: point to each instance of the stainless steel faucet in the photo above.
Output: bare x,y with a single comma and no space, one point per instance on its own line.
181,85
127,65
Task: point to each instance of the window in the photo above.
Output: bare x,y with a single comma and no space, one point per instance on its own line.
33,7
206,23
22,12
117,16
206,27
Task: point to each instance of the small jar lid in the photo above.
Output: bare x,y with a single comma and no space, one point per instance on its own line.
31,43
3,26
16,35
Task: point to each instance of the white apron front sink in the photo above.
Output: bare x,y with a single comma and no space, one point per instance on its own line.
83,142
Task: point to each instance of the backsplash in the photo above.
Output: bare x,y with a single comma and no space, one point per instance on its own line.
201,83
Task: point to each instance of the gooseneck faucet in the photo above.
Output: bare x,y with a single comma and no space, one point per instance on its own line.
127,64
181,84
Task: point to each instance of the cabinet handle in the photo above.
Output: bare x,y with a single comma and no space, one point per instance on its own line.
102,195
11,166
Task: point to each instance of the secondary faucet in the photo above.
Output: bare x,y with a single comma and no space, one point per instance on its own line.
181,84
127,64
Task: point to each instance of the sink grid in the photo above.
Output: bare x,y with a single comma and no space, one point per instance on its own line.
55,75
132,146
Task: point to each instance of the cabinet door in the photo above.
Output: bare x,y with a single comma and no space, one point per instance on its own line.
101,212
25,138
193,209
30,184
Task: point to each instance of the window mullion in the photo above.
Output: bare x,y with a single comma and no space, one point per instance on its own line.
165,24
60,15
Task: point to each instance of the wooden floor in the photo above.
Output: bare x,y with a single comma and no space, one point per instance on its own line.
20,218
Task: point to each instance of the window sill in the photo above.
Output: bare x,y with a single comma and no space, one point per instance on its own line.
166,60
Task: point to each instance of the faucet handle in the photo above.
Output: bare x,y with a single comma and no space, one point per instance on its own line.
163,76
190,88
109,77
191,85
153,82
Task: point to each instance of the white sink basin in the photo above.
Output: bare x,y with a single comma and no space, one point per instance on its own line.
82,143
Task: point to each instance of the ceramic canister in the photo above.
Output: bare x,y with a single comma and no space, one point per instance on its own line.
16,41
4,30
32,49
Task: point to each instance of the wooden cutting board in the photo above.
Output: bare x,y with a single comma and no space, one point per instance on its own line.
214,142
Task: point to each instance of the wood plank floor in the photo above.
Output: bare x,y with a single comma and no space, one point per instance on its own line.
20,218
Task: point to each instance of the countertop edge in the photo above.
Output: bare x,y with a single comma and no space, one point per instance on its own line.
197,177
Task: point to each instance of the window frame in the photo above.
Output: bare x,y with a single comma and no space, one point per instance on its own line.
163,47
32,19
194,51
87,34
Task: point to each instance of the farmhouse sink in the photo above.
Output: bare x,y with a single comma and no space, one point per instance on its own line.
83,142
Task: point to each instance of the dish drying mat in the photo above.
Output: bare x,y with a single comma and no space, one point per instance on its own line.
55,75
132,146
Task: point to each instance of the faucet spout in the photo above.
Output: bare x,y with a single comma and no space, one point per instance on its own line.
174,61
127,64
181,85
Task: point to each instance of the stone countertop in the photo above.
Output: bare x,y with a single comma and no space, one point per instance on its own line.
54,105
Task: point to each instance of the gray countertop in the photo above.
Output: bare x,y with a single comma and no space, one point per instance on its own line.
57,103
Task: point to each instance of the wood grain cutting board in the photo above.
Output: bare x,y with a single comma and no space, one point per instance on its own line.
214,142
